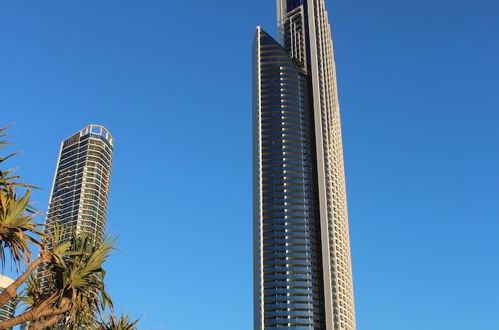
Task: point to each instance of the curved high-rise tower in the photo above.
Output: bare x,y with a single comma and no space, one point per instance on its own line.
80,189
303,273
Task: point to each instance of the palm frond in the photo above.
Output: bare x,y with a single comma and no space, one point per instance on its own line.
17,229
112,322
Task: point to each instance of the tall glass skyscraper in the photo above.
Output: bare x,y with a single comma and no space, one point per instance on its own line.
80,189
303,273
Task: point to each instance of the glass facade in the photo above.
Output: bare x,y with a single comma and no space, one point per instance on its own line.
290,234
302,262
81,184
80,190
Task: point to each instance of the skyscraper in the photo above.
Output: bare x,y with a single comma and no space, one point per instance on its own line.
80,189
302,267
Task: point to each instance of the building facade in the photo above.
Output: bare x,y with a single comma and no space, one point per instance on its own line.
8,310
302,266
80,190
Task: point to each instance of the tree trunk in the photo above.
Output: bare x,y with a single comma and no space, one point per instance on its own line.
23,318
32,314
46,323
11,291
65,307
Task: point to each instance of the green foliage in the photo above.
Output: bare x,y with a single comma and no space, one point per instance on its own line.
7,179
114,323
17,229
76,277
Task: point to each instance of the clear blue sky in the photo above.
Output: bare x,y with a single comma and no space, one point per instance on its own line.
419,90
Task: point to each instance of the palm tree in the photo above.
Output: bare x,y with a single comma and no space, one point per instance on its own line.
69,292
17,229
114,323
